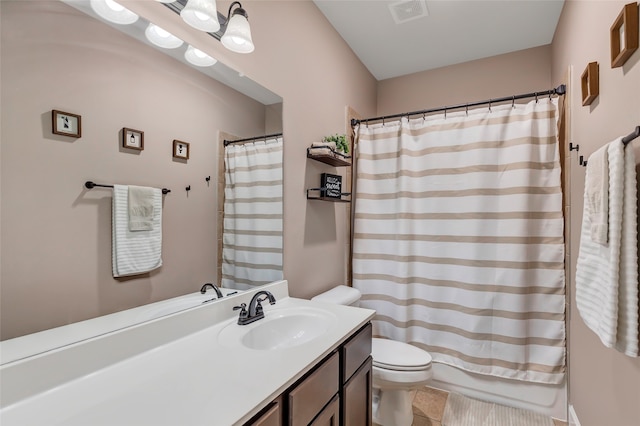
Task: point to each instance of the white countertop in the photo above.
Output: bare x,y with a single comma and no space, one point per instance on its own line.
189,379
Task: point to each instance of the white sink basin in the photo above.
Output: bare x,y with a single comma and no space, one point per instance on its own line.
279,329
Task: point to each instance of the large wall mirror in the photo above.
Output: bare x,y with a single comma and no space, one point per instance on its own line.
56,266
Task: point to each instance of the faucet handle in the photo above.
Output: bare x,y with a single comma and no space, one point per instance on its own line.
243,310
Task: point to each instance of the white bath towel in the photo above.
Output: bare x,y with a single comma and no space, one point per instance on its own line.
627,335
140,208
597,194
605,274
134,252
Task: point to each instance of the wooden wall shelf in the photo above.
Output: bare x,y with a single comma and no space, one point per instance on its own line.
334,158
314,194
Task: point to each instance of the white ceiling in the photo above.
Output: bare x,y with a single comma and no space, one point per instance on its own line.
454,31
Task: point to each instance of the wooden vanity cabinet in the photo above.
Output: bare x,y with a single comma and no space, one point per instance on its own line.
356,379
271,415
336,392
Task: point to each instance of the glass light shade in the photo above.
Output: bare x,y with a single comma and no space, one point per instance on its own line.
198,58
161,37
201,15
237,36
113,12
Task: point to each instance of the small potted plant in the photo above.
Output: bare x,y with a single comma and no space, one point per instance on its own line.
340,140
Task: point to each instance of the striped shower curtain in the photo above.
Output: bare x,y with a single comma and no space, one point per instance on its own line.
252,220
458,238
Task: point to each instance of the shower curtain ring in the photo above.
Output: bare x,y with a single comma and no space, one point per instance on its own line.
466,109
445,113
424,116
513,101
536,97
490,105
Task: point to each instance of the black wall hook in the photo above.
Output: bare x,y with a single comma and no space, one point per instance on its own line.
574,148
582,161
208,178
188,188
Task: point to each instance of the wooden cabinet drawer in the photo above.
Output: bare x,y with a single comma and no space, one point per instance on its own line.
356,397
330,415
270,416
308,398
356,351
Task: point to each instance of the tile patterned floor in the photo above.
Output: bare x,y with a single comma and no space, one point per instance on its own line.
428,407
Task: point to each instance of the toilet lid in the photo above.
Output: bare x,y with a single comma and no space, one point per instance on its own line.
394,355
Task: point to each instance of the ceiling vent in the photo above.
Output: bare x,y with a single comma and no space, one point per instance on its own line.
408,10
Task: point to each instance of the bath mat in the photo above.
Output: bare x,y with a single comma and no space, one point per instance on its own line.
463,411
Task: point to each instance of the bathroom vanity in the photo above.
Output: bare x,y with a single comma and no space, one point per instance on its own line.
336,391
305,362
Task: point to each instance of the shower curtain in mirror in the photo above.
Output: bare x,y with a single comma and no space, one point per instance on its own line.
458,238
252,221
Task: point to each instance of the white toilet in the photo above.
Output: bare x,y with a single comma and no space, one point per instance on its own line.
398,368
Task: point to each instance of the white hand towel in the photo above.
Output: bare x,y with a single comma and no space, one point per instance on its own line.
597,194
598,267
330,145
134,252
140,208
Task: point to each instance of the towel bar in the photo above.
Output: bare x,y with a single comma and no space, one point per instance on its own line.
90,185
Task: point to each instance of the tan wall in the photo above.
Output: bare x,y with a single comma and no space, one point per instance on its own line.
298,55
301,57
604,385
56,236
499,76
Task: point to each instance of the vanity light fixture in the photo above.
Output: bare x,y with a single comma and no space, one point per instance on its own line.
161,37
198,58
201,15
113,11
237,35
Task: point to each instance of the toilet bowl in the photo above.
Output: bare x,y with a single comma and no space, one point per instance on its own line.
398,368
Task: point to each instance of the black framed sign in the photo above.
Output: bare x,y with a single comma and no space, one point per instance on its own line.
331,185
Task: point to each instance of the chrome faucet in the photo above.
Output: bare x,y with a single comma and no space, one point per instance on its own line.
203,290
255,312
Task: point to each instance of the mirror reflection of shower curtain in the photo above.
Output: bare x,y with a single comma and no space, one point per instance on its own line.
458,238
252,221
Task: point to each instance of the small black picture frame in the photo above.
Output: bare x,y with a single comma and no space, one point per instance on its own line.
66,124
181,150
132,139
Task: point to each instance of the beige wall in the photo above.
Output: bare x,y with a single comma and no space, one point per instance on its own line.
499,76
604,385
56,236
298,55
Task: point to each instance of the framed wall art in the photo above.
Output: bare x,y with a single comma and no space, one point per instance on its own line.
624,35
180,150
132,139
66,124
590,82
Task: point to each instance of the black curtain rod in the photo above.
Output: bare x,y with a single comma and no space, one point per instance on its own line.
631,136
560,90
90,185
255,138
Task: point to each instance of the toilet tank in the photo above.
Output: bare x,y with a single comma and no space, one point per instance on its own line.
340,295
